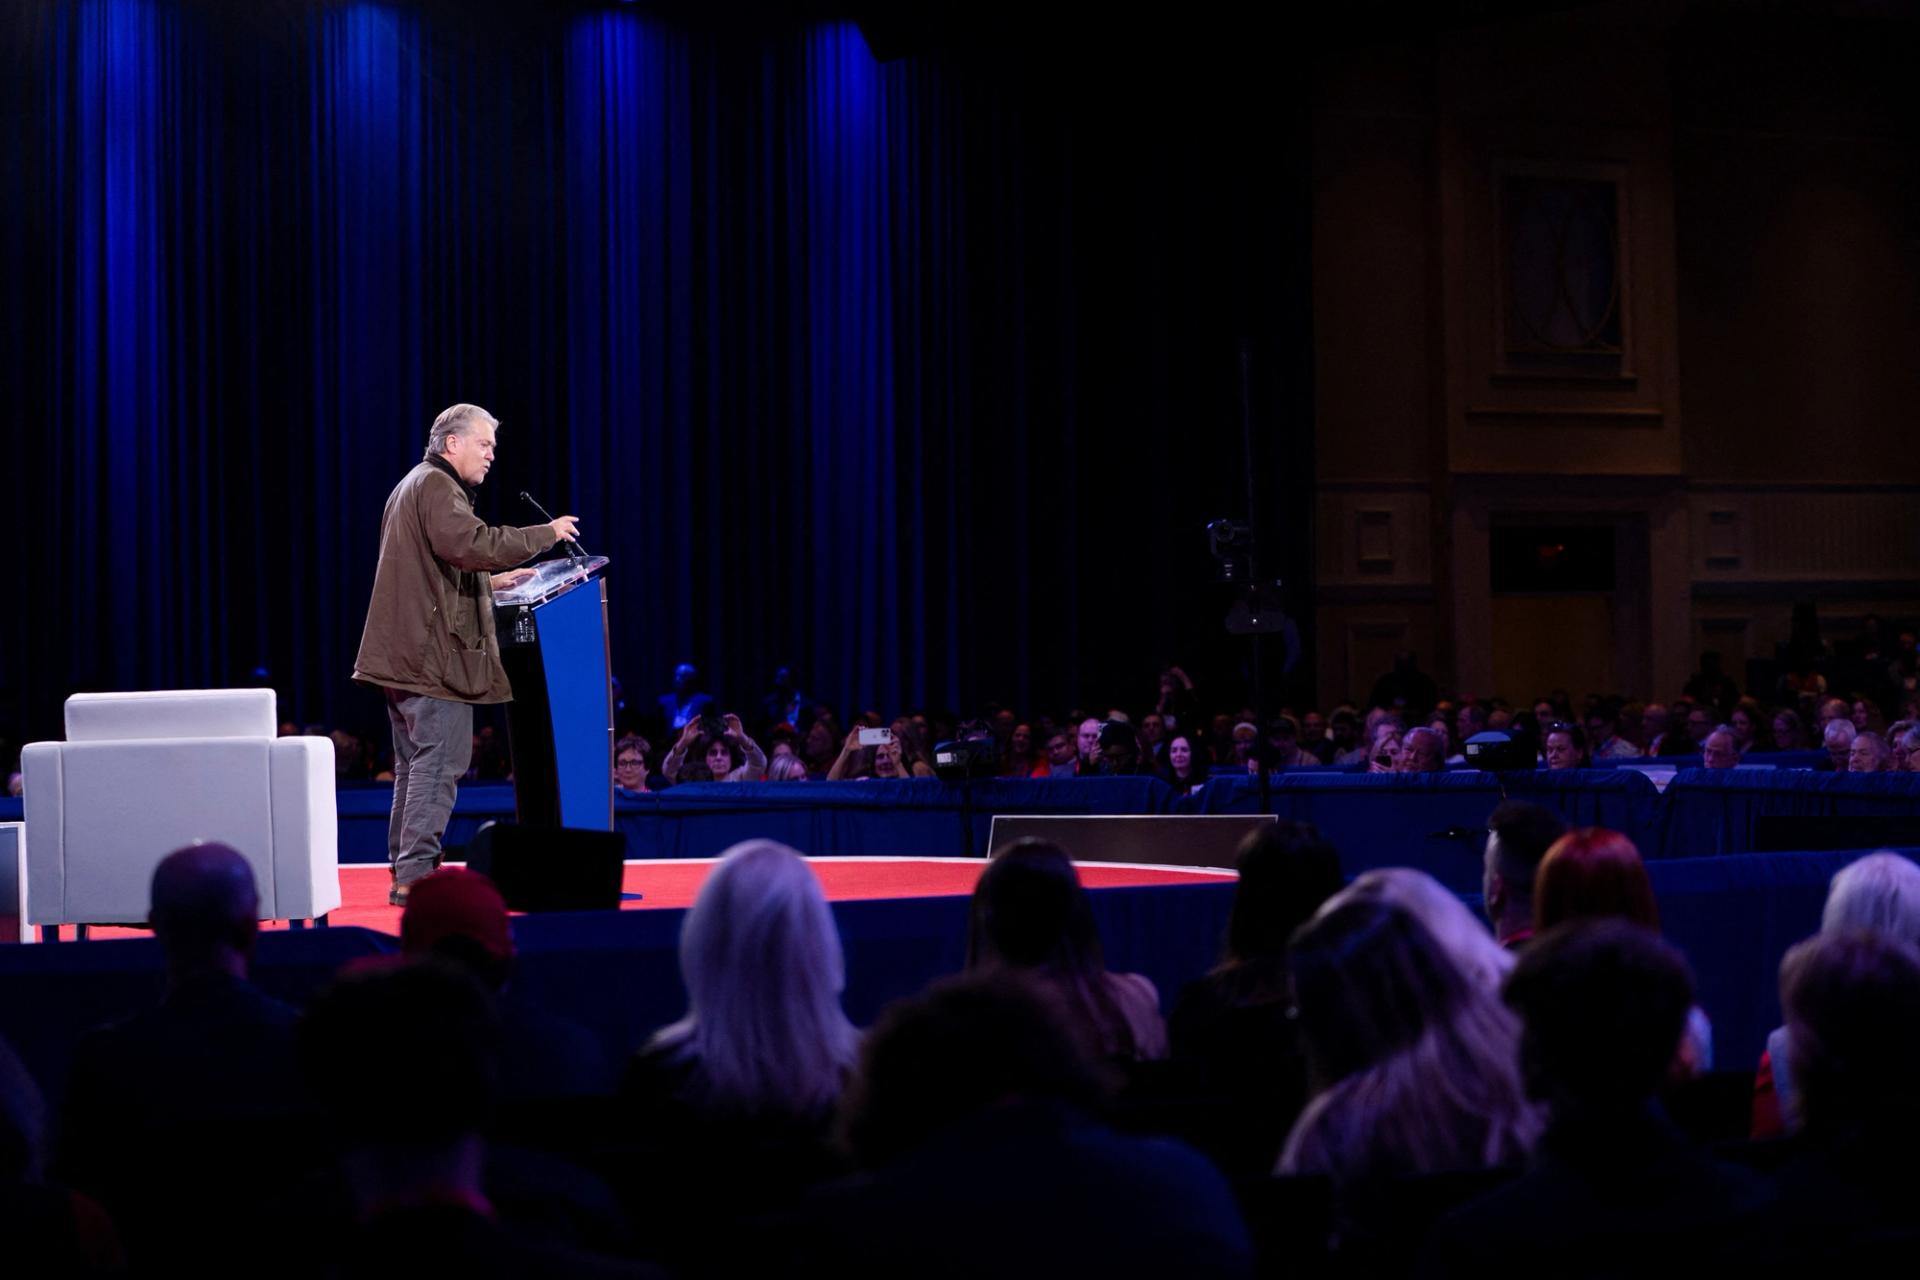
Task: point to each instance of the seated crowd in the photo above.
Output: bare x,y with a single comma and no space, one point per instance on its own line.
1371,1081
1407,725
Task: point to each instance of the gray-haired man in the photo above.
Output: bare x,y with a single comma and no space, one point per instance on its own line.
429,642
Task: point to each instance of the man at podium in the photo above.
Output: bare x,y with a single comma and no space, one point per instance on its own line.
429,641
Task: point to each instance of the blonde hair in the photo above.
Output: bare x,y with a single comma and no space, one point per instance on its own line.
1419,1065
1880,894
761,959
1460,933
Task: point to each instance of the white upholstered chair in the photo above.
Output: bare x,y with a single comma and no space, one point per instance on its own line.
142,774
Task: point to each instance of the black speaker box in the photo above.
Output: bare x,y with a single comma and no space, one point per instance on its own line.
550,868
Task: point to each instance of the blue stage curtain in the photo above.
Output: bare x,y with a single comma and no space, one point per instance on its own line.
907,373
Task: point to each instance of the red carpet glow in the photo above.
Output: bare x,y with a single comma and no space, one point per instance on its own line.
673,882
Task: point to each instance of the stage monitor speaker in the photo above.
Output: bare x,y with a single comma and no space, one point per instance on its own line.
550,868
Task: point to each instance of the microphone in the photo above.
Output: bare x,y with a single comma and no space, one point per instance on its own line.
580,552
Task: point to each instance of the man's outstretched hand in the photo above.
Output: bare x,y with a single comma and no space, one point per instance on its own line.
511,578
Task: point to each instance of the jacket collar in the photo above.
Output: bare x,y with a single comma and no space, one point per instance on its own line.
447,467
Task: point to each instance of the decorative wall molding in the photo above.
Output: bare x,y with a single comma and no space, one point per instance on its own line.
1793,537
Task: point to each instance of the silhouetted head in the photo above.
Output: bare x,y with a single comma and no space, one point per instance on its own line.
1602,1006
204,907
959,1048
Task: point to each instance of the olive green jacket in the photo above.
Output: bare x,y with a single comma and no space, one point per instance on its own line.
430,625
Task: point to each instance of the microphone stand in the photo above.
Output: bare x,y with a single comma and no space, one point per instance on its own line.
579,552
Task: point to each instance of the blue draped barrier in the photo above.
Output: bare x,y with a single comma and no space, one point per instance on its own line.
1708,811
920,817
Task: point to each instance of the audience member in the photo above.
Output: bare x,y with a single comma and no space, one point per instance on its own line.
977,1094
1838,738
764,1035
1118,751
1416,1065
630,766
1603,742
1749,727
458,917
1423,750
1246,743
1186,767
47,1229
1462,936
820,744
783,702
1910,742
1176,702
1868,754
740,1093
1153,735
1383,753
168,1114
1565,747
1594,873
1852,1004
1235,1028
1020,758
415,1173
1721,750
685,703
1031,916
1613,1187
1653,728
1879,894
1062,760
1789,732
729,754
1087,744
786,768
1518,837
1343,728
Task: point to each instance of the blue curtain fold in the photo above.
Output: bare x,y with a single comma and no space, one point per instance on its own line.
904,373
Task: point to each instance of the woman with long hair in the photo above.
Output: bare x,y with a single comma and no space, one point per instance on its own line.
1751,729
1030,916
1233,1031
1789,730
729,756
1416,1066
1461,934
764,1033
733,1105
1185,767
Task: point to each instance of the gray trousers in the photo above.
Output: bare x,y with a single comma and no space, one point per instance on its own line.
432,746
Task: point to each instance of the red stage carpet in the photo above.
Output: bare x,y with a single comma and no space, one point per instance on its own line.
674,882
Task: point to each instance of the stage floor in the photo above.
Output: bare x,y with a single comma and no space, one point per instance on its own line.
662,883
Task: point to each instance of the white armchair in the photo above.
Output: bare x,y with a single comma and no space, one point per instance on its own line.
142,774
